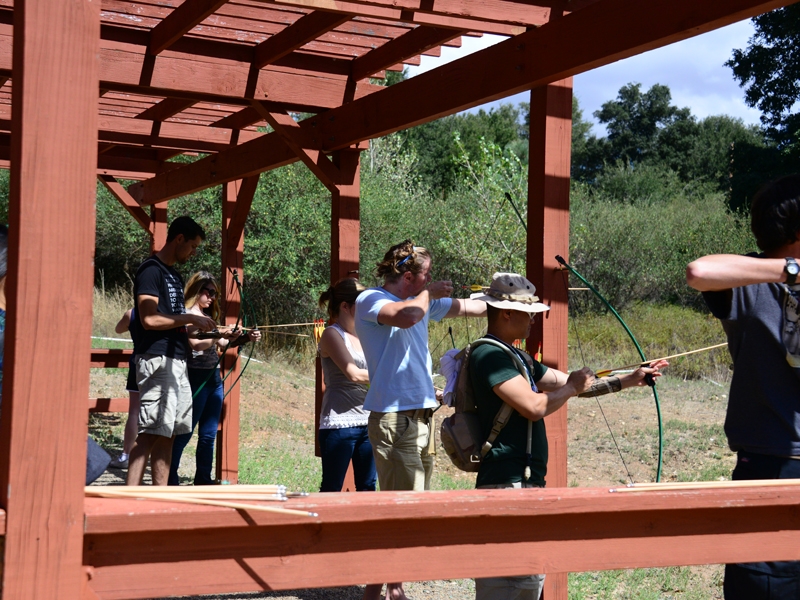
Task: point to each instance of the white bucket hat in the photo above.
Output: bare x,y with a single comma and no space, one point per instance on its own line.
511,291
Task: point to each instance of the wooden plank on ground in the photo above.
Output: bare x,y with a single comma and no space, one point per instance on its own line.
109,405
53,165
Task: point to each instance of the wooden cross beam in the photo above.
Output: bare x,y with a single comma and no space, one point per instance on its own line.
385,10
303,31
128,203
182,20
165,109
288,129
394,51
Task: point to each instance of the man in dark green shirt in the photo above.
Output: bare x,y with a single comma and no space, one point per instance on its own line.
512,305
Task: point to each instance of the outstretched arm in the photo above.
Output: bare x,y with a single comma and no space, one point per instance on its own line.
717,272
466,307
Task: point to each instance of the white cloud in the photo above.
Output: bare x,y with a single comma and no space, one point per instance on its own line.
693,69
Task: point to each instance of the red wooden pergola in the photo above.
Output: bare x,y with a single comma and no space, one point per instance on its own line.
112,89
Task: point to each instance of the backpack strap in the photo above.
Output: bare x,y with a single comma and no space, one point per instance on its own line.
504,414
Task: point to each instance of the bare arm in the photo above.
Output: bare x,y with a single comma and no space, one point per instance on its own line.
332,345
554,379
717,272
407,313
466,307
124,322
532,405
147,307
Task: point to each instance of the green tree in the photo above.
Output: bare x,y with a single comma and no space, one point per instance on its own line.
434,144
769,70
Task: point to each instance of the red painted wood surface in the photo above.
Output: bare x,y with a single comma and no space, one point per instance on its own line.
158,227
181,21
301,32
236,201
548,236
53,162
123,197
345,216
109,405
109,358
132,545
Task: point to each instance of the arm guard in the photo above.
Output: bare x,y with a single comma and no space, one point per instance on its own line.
602,386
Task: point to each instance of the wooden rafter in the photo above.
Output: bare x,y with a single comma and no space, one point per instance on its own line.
601,33
125,199
182,20
165,109
386,11
288,129
240,119
414,42
304,30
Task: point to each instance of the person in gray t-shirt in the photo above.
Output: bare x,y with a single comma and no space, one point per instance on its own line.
756,299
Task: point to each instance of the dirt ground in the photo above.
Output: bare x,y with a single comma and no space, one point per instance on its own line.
693,412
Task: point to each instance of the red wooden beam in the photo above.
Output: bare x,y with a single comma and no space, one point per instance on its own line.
599,34
237,215
132,544
288,129
124,198
386,11
410,44
109,358
499,11
54,153
109,405
208,79
237,197
304,30
548,235
182,20
239,120
165,109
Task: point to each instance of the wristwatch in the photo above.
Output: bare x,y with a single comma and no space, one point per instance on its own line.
792,270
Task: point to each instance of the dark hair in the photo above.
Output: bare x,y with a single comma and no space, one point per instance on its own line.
405,257
775,213
193,288
344,290
3,250
187,227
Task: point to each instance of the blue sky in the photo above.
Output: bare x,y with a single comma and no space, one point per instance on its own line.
693,69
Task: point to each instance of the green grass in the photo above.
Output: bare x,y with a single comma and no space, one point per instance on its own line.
679,583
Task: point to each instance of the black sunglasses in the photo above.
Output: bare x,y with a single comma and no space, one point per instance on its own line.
210,292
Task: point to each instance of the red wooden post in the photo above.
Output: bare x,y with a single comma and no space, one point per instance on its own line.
51,244
237,197
158,226
345,216
548,235
345,229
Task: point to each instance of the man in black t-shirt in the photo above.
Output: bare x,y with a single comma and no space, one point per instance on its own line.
756,298
161,348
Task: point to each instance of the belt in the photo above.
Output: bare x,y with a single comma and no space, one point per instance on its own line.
420,414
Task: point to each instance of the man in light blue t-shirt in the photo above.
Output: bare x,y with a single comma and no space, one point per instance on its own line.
392,324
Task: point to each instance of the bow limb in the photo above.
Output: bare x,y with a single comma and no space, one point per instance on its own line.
602,298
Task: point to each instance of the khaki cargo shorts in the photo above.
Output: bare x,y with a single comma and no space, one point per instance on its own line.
165,395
